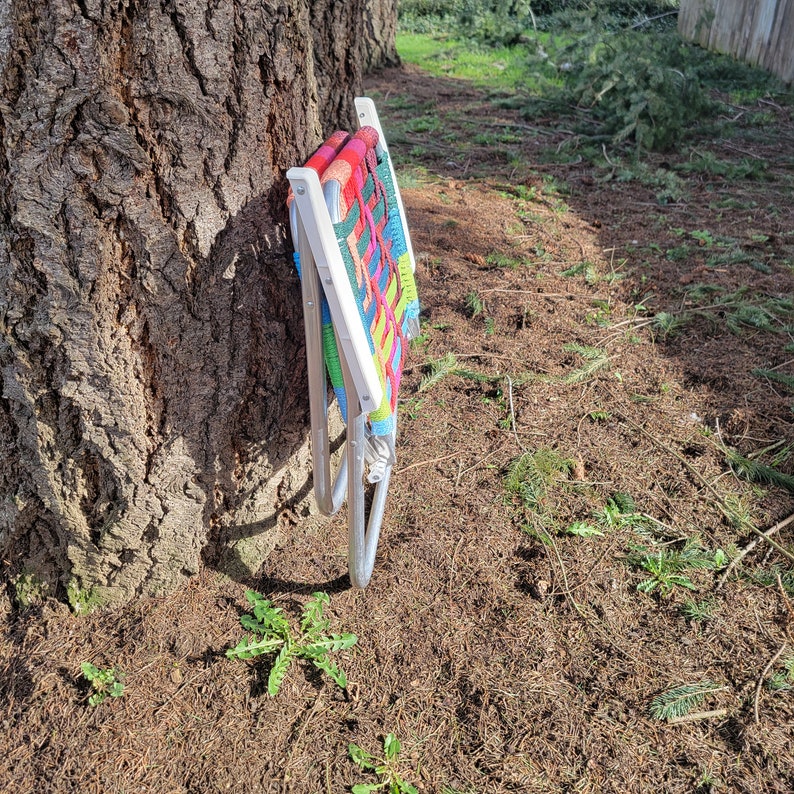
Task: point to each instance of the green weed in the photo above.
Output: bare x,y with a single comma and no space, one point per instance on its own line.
583,529
474,304
412,407
703,237
420,342
601,315
413,176
271,634
386,767
105,683
524,193
619,512
586,269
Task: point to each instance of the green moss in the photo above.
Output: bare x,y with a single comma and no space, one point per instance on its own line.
29,589
83,601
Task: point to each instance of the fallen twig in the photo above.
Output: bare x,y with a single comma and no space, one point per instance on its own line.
428,462
512,412
652,19
606,156
741,151
514,126
761,678
750,546
784,596
698,715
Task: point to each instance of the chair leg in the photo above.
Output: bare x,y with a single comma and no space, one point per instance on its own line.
363,532
330,493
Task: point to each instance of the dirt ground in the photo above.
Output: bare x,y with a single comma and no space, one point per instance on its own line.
613,326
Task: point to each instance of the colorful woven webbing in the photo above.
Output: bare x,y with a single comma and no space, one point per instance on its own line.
375,253
324,156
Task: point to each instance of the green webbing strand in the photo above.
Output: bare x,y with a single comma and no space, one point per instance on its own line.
332,362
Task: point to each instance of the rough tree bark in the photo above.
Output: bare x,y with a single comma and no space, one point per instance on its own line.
380,30
153,387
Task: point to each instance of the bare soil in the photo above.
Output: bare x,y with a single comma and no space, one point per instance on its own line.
506,654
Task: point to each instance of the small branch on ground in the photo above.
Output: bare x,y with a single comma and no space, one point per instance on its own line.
784,596
512,412
761,679
750,546
428,462
653,19
695,716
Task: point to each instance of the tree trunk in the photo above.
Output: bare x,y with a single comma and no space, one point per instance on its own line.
153,405
378,38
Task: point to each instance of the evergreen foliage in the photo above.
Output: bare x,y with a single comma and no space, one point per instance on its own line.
679,701
615,71
500,22
595,361
531,475
636,85
757,472
778,377
668,566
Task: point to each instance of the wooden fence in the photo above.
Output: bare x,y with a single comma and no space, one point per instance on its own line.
760,32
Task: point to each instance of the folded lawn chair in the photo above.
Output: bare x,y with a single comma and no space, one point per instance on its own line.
353,252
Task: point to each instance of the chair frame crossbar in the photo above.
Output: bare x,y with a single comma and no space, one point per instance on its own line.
324,277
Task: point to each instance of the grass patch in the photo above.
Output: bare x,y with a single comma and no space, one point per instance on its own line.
501,69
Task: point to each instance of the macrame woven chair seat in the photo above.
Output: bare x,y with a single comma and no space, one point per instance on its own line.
369,232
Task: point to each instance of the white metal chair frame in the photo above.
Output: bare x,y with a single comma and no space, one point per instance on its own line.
323,273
